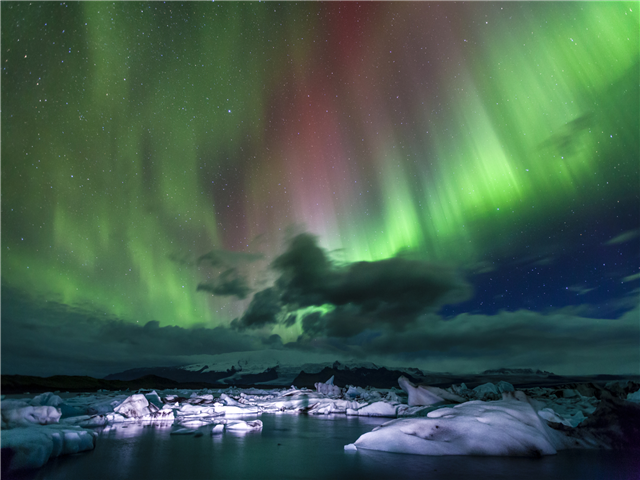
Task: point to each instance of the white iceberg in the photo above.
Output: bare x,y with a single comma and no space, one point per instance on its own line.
424,395
376,409
240,425
47,399
33,446
487,391
328,388
26,416
136,406
510,426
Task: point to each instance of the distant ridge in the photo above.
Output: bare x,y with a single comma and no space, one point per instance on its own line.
269,368
377,378
66,383
516,371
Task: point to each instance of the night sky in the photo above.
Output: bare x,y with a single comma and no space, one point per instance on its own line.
442,185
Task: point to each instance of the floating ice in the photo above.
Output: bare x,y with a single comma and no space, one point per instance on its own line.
136,406
328,388
506,427
377,409
26,416
634,397
218,428
424,395
33,446
239,425
47,399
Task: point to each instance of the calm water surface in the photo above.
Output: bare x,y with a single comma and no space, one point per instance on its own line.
306,447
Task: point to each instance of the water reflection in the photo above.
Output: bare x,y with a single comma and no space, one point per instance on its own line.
304,447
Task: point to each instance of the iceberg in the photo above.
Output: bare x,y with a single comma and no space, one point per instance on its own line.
510,427
328,388
47,399
33,446
240,425
423,395
27,416
136,406
634,397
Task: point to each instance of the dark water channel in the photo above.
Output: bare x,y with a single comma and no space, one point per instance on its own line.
306,447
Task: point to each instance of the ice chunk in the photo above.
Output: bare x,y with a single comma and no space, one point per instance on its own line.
569,393
11,403
350,448
197,410
353,392
424,395
154,398
88,421
33,446
228,400
634,397
503,386
377,409
487,391
240,425
136,406
237,409
506,427
325,406
328,388
47,399
26,416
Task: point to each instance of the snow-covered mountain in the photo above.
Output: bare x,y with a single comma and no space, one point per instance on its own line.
515,371
264,367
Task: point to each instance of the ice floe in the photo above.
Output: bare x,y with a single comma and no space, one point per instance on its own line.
32,447
27,416
328,388
510,426
489,419
425,395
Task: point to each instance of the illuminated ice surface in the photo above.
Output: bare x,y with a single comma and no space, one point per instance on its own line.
491,420
510,426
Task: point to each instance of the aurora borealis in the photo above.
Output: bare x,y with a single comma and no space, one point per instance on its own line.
158,158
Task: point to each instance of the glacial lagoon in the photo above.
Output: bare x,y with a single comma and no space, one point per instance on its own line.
304,447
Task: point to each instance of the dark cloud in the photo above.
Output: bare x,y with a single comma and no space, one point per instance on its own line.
273,341
263,310
393,291
560,342
50,338
224,258
229,283
304,272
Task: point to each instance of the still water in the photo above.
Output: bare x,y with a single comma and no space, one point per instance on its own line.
306,447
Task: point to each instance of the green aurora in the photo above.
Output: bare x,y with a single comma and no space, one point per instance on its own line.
137,137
